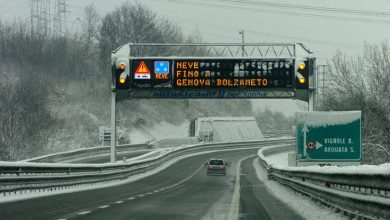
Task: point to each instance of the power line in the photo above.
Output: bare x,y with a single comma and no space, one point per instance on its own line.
332,17
230,28
307,7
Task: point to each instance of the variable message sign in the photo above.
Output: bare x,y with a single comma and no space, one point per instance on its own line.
212,73
328,137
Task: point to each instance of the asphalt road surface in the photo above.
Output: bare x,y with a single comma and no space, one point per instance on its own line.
256,202
181,191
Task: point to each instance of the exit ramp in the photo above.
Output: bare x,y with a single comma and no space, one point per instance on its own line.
219,129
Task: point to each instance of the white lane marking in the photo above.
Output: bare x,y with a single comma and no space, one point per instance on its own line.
104,206
131,198
118,202
149,193
142,195
62,219
234,209
156,191
84,213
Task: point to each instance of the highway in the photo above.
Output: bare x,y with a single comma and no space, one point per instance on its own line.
181,191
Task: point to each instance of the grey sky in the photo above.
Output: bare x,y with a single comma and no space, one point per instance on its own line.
221,24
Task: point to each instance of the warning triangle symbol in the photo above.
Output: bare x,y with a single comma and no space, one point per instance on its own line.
142,69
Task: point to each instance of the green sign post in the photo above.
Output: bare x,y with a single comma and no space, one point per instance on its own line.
328,138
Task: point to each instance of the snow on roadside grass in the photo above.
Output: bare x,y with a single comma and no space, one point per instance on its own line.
303,205
383,169
278,159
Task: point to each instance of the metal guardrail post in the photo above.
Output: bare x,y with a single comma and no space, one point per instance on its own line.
113,124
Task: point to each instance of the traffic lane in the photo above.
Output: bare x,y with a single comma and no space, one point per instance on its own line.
107,158
190,200
70,204
256,202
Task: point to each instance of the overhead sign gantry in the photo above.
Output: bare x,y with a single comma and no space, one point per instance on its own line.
212,71
221,71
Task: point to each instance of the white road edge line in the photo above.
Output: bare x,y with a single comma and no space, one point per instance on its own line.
234,209
84,213
119,202
103,206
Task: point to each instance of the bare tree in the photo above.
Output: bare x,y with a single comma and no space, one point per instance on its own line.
363,83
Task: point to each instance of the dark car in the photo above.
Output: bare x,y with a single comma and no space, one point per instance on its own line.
216,166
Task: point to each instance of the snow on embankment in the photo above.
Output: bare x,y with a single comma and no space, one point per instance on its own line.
158,131
279,160
359,169
229,128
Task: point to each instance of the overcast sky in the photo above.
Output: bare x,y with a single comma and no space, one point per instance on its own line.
320,29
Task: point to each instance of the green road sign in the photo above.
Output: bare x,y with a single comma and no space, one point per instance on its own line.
328,136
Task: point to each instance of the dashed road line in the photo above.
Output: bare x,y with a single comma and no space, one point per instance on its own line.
142,195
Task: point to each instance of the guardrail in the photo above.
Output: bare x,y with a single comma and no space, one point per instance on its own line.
102,150
22,177
85,152
276,133
360,195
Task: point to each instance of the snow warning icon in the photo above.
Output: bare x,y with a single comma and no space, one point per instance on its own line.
161,67
142,71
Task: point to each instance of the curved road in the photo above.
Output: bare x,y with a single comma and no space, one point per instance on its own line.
181,191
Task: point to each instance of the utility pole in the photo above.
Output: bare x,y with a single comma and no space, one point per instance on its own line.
321,82
113,124
242,33
34,16
60,17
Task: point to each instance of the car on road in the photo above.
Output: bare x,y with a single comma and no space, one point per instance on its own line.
216,166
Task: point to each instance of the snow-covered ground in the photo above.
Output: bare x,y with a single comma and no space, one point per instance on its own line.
304,206
360,169
229,128
160,130
278,159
